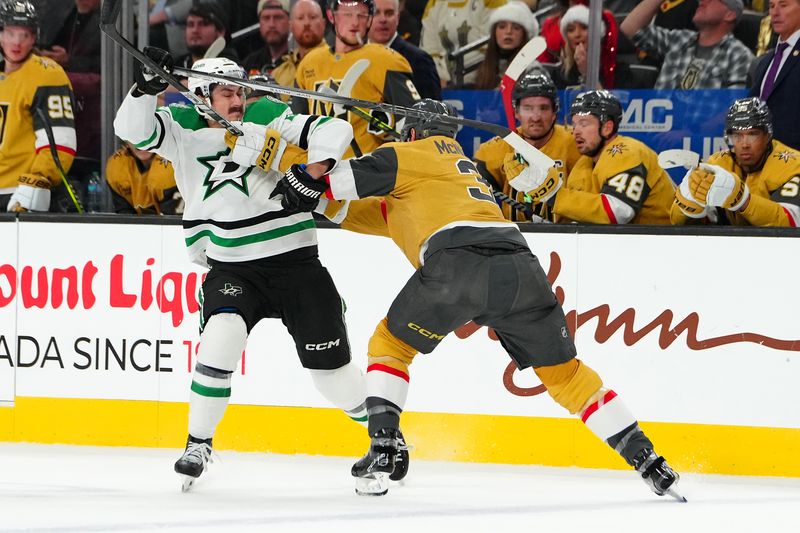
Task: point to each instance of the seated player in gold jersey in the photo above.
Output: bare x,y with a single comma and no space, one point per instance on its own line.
536,108
616,181
755,182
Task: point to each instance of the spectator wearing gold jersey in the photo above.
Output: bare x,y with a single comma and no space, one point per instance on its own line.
142,183
617,179
755,182
536,108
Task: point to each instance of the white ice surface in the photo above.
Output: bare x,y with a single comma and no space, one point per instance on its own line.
71,488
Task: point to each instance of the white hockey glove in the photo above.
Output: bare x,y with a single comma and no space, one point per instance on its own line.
32,194
686,202
256,148
540,184
719,188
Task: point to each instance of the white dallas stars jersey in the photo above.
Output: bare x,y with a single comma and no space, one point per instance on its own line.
228,215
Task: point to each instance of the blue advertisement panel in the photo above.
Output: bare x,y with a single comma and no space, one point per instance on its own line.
662,119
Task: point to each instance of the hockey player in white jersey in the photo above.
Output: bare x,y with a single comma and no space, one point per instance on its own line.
263,258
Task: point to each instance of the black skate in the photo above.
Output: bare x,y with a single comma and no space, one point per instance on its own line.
658,475
193,462
401,459
373,470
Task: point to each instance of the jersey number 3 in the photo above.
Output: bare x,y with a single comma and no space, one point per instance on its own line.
465,166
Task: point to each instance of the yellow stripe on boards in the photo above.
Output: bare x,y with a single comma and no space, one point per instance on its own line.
710,449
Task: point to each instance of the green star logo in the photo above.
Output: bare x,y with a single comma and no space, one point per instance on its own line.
223,171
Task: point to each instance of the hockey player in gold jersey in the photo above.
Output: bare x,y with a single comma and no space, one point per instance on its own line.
756,182
31,87
142,183
388,78
536,107
618,179
472,264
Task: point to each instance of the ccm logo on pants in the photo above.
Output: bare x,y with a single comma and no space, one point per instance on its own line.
322,345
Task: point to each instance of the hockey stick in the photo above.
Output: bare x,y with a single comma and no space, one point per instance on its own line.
215,49
51,141
521,61
678,158
109,12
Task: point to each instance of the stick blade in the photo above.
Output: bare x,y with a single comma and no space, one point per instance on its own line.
216,48
678,158
525,57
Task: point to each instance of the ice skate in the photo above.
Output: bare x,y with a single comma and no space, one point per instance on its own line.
401,460
373,470
193,462
657,474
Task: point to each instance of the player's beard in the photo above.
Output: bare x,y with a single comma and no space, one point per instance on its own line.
197,50
357,41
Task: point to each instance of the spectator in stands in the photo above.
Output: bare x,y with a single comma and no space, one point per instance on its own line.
36,94
575,30
511,27
755,182
167,20
387,79
777,74
616,181
536,108
307,25
451,24
709,58
142,183
273,25
410,25
551,31
205,24
384,31
76,48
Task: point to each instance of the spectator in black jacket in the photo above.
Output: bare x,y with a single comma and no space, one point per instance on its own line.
384,31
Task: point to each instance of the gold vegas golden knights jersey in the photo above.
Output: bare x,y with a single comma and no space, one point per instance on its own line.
388,79
144,190
489,157
24,149
626,185
431,192
774,189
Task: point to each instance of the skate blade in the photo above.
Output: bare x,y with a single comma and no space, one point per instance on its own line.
675,495
376,485
188,483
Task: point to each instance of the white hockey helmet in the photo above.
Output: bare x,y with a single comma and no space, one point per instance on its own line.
213,65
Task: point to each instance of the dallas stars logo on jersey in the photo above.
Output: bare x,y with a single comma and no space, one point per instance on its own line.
223,171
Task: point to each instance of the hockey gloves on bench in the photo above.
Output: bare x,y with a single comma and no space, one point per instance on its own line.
147,81
301,192
32,194
718,187
539,184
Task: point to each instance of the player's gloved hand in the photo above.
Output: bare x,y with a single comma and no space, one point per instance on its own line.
32,194
301,192
147,81
256,148
685,201
715,186
540,184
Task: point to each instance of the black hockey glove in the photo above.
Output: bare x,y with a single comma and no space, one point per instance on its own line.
147,82
301,192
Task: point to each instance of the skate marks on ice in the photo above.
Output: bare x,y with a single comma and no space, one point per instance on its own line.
66,488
